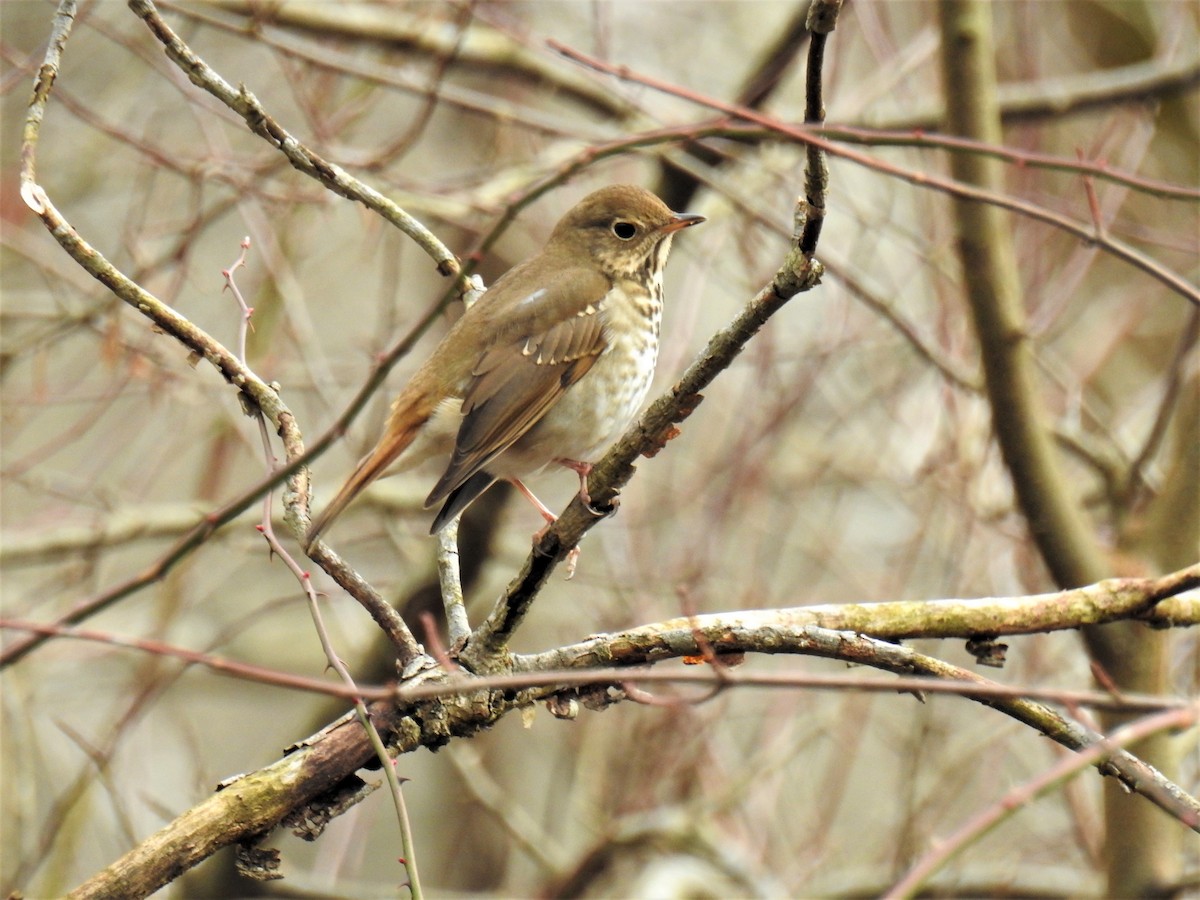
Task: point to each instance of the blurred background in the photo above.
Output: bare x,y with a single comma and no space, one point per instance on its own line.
847,456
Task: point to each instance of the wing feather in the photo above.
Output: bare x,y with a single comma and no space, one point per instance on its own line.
518,379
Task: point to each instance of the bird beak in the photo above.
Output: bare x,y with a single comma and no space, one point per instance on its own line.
680,221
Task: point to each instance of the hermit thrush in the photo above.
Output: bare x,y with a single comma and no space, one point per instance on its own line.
549,366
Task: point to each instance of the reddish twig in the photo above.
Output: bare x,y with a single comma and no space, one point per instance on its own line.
1119,249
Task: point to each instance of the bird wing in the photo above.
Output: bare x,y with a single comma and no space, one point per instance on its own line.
522,375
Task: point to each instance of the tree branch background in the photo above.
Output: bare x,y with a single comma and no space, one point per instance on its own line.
847,455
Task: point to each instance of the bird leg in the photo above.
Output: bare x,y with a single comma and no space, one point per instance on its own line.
583,470
550,517
572,559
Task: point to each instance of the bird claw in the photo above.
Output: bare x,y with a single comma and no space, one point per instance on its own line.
571,561
603,512
583,470
596,511
538,535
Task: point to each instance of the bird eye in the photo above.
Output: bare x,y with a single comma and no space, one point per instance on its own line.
624,230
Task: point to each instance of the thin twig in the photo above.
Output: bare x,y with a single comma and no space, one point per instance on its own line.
246,105
1172,280
549,670
1167,407
254,391
266,528
1022,795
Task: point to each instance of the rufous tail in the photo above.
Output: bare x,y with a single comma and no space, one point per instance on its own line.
407,416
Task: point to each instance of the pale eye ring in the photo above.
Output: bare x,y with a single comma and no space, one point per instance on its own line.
625,231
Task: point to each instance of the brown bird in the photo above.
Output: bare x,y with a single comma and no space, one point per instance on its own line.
549,366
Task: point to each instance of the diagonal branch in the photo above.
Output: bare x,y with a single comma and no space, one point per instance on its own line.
657,426
246,105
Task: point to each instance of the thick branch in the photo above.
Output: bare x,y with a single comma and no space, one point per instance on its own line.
321,769
1113,600
1020,423
1142,850
690,637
